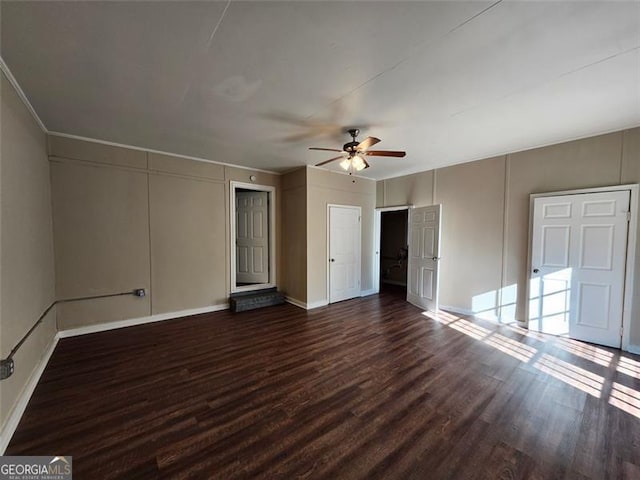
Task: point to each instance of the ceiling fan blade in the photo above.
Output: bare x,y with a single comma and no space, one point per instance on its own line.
367,142
366,164
385,153
329,161
325,149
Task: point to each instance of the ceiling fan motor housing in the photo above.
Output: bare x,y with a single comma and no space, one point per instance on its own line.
350,146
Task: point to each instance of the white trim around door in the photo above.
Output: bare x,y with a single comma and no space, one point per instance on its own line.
377,231
232,235
628,313
334,258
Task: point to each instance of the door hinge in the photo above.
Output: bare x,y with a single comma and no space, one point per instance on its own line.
628,216
621,331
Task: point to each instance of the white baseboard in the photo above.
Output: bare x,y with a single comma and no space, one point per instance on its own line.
317,304
306,306
102,327
366,293
296,302
19,407
461,311
634,349
482,315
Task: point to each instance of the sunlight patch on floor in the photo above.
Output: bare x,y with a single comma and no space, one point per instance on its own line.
517,350
471,329
575,376
629,367
625,398
583,350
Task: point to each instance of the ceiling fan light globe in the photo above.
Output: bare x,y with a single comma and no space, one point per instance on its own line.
346,163
358,163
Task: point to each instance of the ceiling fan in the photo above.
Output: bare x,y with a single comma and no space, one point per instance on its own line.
353,153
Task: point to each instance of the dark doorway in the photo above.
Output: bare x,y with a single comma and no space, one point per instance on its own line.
393,250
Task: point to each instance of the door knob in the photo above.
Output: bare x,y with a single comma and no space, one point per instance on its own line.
332,259
535,270
435,258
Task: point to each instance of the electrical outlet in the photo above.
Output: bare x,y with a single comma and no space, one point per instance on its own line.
139,292
6,368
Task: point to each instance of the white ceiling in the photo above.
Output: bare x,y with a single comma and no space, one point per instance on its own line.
256,83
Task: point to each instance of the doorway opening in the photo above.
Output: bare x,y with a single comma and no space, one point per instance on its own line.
252,237
394,251
394,229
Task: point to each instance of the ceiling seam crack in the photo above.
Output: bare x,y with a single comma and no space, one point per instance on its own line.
538,85
408,57
215,29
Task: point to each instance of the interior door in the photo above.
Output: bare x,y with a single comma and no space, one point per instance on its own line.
252,237
344,253
578,257
424,257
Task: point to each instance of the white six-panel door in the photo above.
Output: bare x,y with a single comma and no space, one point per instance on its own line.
344,253
578,257
424,257
252,237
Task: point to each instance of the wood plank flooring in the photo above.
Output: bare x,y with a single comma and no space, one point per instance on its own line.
368,388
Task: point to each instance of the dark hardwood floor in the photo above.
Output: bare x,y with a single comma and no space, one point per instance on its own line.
369,388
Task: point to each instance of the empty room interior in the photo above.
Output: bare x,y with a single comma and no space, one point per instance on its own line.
313,239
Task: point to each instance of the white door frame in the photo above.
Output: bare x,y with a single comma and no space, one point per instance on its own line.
329,205
627,313
377,231
232,235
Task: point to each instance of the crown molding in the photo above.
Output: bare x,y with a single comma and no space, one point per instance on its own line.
159,152
16,86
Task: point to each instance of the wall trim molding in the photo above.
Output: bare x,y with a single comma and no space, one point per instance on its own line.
296,302
159,152
9,428
159,317
576,138
16,86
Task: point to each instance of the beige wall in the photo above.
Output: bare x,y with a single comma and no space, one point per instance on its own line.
416,189
475,216
294,235
127,219
323,188
101,238
26,246
471,250
188,241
